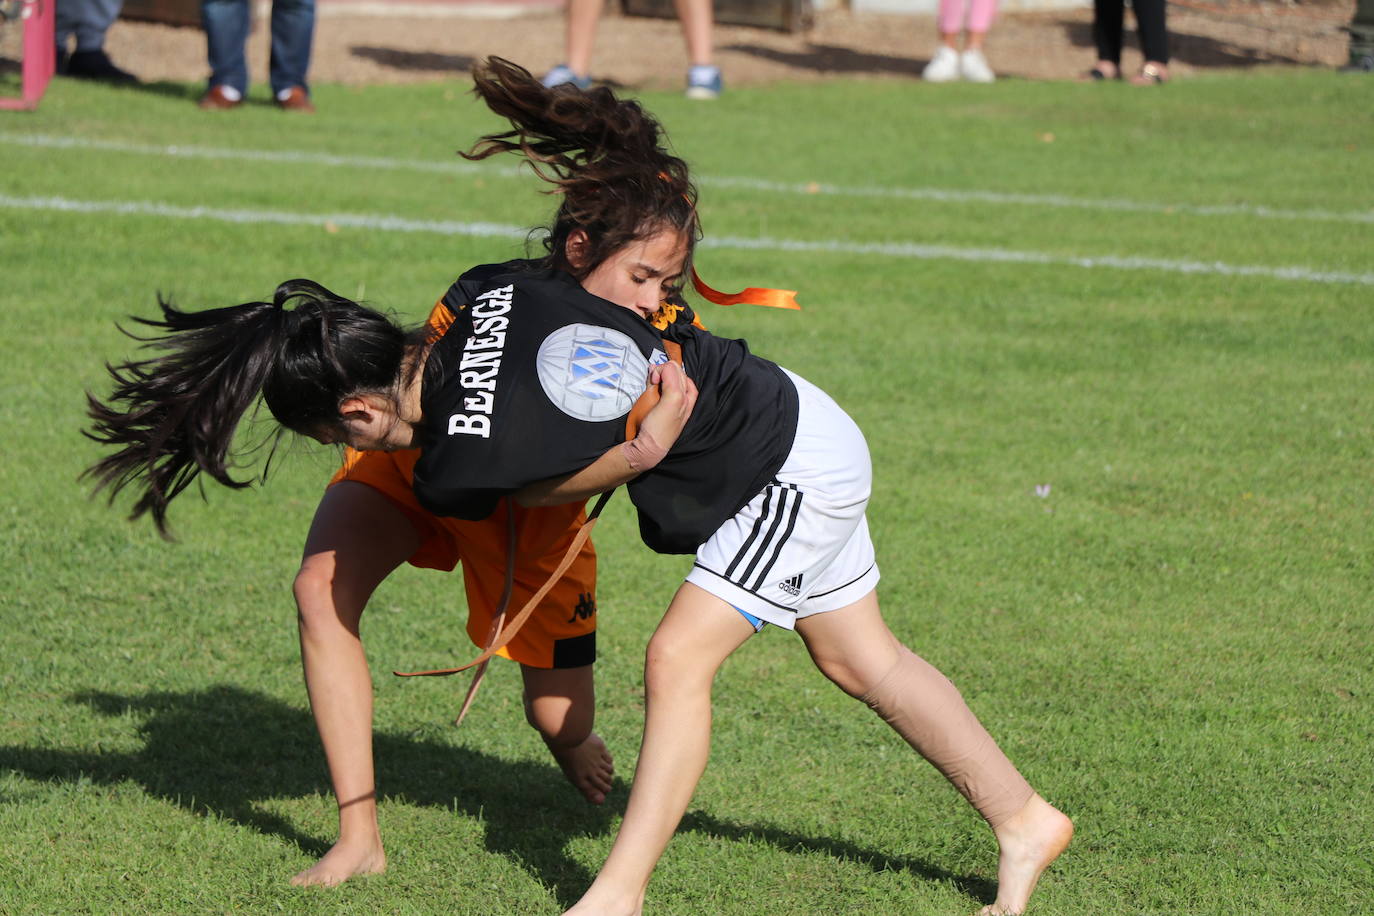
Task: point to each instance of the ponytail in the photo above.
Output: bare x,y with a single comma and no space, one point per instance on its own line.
174,415
604,155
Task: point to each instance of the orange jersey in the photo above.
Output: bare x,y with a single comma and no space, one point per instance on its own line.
562,632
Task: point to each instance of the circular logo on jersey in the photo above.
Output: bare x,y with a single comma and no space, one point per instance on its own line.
592,373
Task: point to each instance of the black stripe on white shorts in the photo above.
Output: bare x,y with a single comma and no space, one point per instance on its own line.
753,562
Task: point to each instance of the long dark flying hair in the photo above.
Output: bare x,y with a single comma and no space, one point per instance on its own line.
174,415
604,155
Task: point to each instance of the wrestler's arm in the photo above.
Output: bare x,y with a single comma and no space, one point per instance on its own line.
626,461
605,473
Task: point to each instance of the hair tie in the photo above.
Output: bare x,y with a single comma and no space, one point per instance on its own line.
289,320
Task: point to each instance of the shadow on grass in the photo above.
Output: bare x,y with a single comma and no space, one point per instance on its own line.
190,92
1185,47
835,59
434,62
227,750
971,885
419,61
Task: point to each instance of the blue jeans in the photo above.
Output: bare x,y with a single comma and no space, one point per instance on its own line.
88,20
226,30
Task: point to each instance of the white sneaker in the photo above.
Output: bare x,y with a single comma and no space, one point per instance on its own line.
973,66
943,67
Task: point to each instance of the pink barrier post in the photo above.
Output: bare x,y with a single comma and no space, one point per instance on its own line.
40,53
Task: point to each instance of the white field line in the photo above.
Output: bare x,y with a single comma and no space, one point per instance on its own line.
943,195
1000,198
1008,256
279,217
388,223
294,157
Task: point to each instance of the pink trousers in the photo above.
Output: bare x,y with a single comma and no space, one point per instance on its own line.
980,15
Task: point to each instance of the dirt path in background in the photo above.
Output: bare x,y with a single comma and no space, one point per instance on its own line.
648,53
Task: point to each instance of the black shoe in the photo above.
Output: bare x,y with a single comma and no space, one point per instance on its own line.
96,65
1360,62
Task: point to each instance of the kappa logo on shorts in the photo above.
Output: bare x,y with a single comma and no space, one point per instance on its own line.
793,585
592,373
586,607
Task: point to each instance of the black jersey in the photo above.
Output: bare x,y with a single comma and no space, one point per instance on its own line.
740,433
534,380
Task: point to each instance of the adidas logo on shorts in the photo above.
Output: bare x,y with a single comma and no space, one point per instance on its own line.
792,586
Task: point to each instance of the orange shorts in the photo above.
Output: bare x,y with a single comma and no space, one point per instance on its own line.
562,632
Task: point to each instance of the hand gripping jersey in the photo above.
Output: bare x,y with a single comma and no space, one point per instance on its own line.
536,376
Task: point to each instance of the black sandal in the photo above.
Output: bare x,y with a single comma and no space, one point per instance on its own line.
1097,76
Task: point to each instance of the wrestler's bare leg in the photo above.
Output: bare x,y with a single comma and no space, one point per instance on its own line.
854,648
561,705
357,538
1028,842
696,635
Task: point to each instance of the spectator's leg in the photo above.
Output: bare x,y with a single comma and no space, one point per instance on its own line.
697,20
1154,37
951,19
88,20
980,16
293,33
66,18
943,66
973,66
226,32
583,16
1107,20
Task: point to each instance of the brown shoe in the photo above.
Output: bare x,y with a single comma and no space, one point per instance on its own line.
216,100
296,100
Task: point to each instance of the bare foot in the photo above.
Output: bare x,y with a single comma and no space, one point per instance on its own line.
342,862
1032,839
589,906
588,767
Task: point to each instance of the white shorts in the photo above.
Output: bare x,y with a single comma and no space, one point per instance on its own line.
801,546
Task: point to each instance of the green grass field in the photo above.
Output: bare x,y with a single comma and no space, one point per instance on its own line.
1157,307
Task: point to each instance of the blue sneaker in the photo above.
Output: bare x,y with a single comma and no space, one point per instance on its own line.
563,76
704,83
